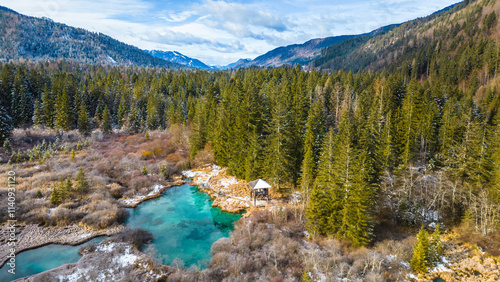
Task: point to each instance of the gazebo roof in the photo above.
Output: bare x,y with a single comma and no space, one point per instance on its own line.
259,184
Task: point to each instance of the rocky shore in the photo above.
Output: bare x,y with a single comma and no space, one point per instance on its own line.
33,236
154,192
107,261
227,192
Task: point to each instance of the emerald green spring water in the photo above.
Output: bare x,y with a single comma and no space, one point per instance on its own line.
43,258
183,223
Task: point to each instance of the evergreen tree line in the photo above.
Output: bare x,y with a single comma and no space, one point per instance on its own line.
331,135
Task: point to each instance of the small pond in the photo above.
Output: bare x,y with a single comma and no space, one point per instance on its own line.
44,258
184,224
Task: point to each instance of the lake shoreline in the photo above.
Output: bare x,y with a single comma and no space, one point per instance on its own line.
39,236
34,236
157,192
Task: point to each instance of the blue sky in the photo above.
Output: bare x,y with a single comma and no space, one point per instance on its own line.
221,32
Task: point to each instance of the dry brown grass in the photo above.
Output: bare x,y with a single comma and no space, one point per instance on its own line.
112,165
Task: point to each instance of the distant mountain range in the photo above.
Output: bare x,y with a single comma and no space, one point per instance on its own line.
176,57
24,37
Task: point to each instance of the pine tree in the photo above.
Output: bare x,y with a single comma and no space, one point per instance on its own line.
106,122
279,160
324,200
134,124
152,118
6,145
436,247
144,170
6,125
81,182
55,196
253,159
420,259
63,119
312,144
305,277
198,134
72,154
37,115
122,111
83,120
48,110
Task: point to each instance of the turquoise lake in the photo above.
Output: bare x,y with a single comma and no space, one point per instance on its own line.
43,258
183,223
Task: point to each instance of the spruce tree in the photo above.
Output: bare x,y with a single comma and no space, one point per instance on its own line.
278,157
106,122
324,200
63,118
436,247
48,109
83,120
55,196
134,124
198,134
6,125
312,144
81,182
420,259
37,115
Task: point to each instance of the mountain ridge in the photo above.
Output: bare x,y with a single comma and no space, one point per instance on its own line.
38,39
177,57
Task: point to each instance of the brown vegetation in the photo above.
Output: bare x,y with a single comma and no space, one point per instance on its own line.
112,166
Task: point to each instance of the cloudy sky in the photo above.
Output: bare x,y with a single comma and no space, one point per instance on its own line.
221,32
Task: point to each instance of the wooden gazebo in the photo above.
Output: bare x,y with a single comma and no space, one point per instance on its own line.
259,188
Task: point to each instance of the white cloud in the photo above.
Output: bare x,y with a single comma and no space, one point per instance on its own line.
221,32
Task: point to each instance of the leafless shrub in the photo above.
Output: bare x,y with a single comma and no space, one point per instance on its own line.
137,237
140,181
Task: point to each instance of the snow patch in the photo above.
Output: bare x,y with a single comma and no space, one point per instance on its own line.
228,181
86,235
106,248
111,60
411,276
126,259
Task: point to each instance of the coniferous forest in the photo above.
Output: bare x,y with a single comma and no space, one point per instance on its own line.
414,142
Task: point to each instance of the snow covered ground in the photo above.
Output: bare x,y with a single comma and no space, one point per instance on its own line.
155,191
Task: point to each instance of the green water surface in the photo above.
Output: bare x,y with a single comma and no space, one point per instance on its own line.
183,223
44,258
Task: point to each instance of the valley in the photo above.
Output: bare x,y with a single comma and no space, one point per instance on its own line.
377,155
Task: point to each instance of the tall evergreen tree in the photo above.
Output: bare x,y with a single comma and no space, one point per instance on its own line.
133,122
312,145
106,122
324,199
48,109
83,120
198,134
37,115
420,259
82,184
278,156
63,118
6,125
